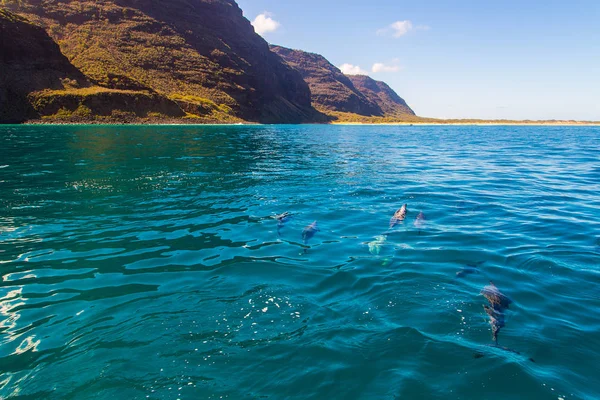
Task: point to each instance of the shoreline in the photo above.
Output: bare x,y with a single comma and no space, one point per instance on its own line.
472,123
189,123
414,124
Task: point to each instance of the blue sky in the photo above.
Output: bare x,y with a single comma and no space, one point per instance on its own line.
526,59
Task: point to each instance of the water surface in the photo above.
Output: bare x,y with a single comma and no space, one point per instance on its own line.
143,262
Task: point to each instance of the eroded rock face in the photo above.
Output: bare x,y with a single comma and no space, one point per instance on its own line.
29,61
38,81
201,48
331,89
381,94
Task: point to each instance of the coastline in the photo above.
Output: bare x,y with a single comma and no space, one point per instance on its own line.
472,123
186,123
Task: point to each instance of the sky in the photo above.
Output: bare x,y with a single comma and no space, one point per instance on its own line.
504,59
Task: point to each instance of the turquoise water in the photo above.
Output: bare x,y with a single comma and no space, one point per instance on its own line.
143,262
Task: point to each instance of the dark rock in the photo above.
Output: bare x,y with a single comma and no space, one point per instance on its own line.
29,61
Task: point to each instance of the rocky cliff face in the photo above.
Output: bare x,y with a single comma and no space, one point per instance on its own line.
331,90
29,61
381,94
38,82
336,92
197,49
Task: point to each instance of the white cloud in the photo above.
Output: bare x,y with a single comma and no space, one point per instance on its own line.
381,67
264,23
401,28
349,69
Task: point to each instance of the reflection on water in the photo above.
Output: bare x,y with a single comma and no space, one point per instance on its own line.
8,302
145,262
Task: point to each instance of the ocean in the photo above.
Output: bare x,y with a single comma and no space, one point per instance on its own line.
145,262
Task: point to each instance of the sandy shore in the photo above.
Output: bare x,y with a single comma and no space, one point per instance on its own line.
472,123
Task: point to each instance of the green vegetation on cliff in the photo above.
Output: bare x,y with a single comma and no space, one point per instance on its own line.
102,105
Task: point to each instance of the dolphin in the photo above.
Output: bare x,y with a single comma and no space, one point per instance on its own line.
469,269
480,354
399,216
376,245
420,221
281,220
498,304
308,233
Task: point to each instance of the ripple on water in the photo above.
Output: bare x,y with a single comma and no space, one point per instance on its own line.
143,262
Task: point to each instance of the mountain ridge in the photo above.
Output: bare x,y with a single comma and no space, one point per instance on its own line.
383,95
331,90
202,48
197,61
334,92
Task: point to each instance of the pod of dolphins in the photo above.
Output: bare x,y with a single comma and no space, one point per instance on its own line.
498,302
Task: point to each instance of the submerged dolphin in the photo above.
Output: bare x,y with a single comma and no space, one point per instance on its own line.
469,269
281,220
420,221
376,245
308,233
498,304
479,354
399,216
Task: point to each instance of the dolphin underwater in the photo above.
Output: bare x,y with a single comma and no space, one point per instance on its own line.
376,245
281,220
399,216
469,269
420,221
498,304
309,232
479,354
